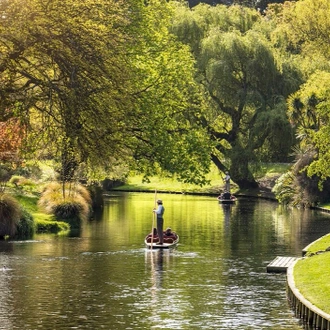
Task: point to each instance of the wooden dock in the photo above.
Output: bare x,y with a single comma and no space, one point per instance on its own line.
280,264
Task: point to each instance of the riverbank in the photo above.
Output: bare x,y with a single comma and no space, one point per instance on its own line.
308,284
214,188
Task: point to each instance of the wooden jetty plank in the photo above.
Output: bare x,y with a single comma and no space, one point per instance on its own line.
280,264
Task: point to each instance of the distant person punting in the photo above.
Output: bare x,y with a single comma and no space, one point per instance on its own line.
160,220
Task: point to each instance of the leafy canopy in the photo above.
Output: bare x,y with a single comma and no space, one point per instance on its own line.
101,83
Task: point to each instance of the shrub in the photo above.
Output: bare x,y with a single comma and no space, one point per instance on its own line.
10,215
284,188
26,226
71,204
67,210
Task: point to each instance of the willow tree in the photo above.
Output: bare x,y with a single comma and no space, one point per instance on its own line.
245,83
100,83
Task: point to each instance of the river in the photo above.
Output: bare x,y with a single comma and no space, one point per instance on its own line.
102,277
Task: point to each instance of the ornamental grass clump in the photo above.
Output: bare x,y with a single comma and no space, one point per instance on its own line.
69,202
10,214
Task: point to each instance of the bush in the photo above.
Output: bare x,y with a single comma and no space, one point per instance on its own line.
26,226
10,215
284,188
70,203
67,210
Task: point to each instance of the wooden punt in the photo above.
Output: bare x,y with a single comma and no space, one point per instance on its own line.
169,242
230,200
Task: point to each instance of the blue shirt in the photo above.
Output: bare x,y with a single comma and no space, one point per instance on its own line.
160,211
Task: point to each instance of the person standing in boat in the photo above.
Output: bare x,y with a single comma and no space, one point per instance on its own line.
160,220
227,181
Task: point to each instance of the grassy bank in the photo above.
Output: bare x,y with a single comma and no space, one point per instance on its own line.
135,183
43,222
265,174
311,274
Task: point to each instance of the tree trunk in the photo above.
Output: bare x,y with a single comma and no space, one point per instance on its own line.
239,170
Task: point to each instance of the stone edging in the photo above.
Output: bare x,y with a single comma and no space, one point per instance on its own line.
303,309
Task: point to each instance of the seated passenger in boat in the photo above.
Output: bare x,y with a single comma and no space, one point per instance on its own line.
169,236
226,195
168,232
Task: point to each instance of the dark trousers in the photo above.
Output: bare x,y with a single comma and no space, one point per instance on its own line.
160,223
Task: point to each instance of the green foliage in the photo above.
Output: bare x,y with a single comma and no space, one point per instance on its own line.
284,188
307,25
47,226
28,202
22,183
42,222
245,85
302,32
103,87
309,110
10,215
26,226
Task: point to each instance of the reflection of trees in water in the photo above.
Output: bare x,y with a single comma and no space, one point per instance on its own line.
252,224
300,227
6,286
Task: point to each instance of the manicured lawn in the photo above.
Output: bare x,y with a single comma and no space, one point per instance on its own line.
135,183
216,185
320,244
311,277
311,274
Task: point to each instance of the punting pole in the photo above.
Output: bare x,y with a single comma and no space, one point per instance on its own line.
153,220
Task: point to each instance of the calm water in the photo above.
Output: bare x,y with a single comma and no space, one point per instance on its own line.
104,278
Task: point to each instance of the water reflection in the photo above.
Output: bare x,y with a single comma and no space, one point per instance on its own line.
156,260
227,212
104,278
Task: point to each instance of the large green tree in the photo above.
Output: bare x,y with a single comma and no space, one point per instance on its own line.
245,82
101,83
306,28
